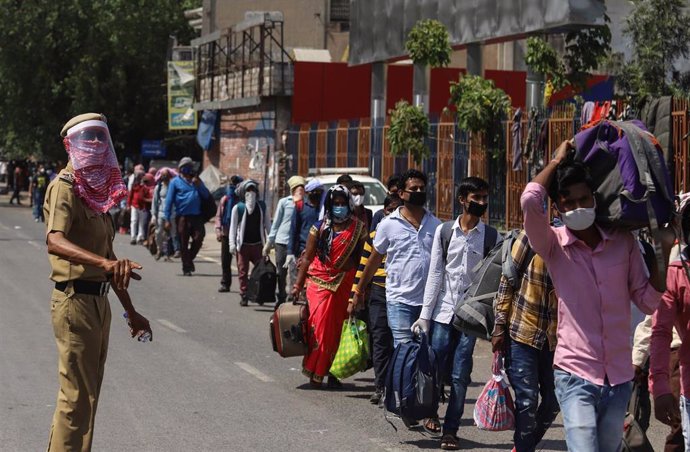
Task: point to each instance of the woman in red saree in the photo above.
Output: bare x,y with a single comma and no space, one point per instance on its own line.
329,263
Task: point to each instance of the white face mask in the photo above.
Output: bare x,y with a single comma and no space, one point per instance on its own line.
358,200
579,219
250,201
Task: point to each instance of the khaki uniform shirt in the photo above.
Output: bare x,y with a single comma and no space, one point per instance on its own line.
88,229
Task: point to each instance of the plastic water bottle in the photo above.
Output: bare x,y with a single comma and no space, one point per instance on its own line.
144,337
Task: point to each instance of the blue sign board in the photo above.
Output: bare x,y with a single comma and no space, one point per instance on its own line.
152,148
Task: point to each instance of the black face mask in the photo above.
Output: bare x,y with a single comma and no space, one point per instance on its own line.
477,209
314,200
417,198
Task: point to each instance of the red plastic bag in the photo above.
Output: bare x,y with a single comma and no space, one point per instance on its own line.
494,410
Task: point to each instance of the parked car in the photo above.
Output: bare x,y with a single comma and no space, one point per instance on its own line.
374,190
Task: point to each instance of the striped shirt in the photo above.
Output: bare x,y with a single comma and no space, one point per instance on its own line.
530,313
380,276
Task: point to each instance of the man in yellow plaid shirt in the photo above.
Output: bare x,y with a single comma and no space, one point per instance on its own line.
377,322
525,330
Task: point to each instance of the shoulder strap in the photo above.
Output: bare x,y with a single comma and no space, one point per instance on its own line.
446,234
490,238
240,211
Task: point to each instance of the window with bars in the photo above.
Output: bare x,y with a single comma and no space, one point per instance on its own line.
340,11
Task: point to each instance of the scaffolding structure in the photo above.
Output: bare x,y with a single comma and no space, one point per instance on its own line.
238,66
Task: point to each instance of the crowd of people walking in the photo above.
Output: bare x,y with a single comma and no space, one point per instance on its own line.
563,321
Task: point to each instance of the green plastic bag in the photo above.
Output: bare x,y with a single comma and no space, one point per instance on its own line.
353,351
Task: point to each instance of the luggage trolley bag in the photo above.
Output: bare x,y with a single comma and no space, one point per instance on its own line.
262,282
288,329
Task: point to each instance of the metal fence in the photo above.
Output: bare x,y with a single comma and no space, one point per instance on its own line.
456,154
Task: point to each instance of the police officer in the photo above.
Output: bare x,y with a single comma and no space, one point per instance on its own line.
79,235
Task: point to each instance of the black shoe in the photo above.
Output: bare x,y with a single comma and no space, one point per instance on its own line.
133,242
333,383
224,288
244,301
187,273
376,397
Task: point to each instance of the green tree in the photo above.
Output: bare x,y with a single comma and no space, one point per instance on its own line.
480,108
58,59
409,127
659,31
585,49
428,43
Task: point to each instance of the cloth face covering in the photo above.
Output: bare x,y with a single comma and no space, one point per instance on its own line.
250,201
417,198
97,178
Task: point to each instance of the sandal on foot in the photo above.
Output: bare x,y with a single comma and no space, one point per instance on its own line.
450,442
432,425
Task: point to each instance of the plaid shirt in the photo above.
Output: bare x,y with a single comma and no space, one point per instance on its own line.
530,313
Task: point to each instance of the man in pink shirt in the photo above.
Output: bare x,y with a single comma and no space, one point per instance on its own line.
595,272
674,310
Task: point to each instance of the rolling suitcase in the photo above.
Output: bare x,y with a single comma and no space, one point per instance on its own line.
288,329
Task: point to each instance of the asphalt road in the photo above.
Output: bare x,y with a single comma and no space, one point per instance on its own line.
208,382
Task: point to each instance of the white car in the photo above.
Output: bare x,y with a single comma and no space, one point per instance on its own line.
374,191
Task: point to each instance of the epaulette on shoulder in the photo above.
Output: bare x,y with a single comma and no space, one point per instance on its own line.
67,177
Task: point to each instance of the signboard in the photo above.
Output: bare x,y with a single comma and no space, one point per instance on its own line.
378,28
153,148
181,115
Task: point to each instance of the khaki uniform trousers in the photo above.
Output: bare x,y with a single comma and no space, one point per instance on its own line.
81,324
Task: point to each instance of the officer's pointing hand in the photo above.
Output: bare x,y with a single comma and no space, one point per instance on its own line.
122,270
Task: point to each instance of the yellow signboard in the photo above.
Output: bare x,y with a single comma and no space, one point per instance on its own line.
181,115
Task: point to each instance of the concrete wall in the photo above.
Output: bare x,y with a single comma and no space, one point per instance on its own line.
305,20
242,132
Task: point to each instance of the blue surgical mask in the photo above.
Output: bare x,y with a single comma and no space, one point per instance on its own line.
341,212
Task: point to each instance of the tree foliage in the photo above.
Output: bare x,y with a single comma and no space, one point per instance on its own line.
585,49
428,43
409,127
480,107
59,59
659,31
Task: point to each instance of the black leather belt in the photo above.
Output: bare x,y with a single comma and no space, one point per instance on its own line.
85,287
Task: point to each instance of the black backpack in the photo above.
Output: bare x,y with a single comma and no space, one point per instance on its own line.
262,282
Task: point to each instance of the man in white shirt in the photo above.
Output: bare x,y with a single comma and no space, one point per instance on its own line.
450,274
405,237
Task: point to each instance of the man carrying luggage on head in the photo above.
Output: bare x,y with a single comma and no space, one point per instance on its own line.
525,331
279,237
249,225
450,274
596,272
